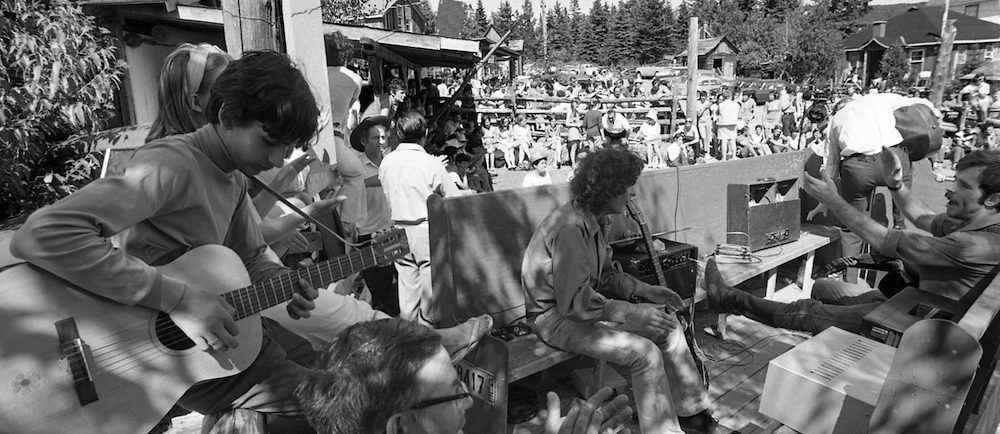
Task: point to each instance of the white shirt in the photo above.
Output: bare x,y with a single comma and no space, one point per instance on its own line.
378,205
729,112
409,176
866,124
533,179
650,133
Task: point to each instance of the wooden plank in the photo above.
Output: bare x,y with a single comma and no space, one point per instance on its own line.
738,271
979,316
529,355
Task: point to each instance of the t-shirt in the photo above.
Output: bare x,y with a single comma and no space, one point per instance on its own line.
729,112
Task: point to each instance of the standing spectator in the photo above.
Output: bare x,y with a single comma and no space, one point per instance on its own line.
748,107
706,124
386,104
370,140
772,112
592,121
729,114
409,176
787,102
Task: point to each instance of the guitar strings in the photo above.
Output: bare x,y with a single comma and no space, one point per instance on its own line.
109,357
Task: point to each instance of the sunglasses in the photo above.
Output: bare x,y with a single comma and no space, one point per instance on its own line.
420,405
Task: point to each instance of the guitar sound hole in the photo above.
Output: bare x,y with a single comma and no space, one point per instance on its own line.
170,335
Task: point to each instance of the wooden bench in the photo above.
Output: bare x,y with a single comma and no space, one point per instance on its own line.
478,241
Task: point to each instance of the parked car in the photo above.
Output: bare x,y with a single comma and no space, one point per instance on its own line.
708,81
650,71
761,87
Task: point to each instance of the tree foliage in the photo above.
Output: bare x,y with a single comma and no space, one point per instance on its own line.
58,78
895,65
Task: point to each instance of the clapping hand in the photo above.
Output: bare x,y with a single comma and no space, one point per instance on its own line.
596,415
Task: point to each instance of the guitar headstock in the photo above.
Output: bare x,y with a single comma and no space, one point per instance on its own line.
389,245
635,211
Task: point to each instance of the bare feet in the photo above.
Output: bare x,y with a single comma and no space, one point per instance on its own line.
461,339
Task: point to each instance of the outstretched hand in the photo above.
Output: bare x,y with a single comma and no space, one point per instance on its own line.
596,415
822,189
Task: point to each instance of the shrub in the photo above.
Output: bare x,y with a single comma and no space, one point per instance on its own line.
58,78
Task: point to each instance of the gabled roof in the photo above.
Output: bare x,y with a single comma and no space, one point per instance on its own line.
920,26
709,45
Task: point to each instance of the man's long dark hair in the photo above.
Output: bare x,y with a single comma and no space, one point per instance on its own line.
602,176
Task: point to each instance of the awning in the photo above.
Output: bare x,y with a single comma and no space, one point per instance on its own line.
419,49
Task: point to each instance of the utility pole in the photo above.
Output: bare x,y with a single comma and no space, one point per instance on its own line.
692,59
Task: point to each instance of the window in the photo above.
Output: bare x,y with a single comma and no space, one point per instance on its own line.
916,56
972,10
988,51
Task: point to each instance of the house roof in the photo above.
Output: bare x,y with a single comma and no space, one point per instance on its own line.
450,18
920,26
420,49
708,45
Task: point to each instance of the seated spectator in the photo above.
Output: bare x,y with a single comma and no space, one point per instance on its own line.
964,142
458,169
649,133
520,134
744,147
506,145
491,140
778,142
539,175
393,376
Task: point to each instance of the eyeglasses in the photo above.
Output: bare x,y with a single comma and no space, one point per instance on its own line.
420,405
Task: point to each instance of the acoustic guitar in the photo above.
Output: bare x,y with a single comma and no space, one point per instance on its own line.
75,362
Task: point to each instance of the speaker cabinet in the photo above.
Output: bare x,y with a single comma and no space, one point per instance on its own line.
763,214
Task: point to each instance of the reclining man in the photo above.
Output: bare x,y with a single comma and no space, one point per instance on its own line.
579,303
963,247
394,376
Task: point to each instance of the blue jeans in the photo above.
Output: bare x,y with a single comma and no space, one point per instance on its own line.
664,379
859,175
834,303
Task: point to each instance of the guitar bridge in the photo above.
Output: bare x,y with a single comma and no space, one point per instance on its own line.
77,355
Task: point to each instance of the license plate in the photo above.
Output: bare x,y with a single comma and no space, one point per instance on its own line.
481,384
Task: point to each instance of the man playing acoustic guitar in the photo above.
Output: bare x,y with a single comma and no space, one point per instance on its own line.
179,193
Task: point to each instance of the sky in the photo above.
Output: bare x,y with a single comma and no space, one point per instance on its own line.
492,5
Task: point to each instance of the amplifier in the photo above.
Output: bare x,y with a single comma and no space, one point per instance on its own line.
763,214
887,322
679,262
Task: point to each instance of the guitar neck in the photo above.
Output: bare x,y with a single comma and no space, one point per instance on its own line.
647,237
253,299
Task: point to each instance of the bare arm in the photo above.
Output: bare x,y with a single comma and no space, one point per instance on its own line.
915,210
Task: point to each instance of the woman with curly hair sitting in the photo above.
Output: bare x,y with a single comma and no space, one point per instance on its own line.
579,303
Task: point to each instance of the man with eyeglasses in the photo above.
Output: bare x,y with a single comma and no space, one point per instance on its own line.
393,376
